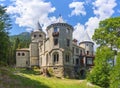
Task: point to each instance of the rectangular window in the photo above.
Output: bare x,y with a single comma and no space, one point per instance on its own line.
68,42
77,50
67,58
87,52
73,50
55,41
89,61
56,29
77,61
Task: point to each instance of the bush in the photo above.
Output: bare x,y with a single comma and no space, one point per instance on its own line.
3,63
50,72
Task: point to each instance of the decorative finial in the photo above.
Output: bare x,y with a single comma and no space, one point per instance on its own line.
60,19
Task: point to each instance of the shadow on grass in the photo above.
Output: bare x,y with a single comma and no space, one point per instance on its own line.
30,71
29,83
16,80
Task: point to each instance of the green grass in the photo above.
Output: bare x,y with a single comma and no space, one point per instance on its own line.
31,79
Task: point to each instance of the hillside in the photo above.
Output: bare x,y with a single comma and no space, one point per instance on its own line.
21,78
24,36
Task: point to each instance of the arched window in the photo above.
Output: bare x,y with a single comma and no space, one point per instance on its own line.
56,57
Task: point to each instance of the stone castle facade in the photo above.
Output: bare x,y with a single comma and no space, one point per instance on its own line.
57,51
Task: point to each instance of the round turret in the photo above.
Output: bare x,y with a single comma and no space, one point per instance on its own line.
87,44
38,35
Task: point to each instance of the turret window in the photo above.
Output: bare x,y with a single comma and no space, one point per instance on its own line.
56,29
55,41
68,42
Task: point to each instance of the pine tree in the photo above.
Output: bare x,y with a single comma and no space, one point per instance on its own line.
4,38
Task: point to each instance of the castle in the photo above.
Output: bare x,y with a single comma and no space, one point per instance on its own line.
57,51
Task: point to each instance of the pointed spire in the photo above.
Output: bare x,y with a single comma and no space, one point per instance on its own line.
86,37
38,27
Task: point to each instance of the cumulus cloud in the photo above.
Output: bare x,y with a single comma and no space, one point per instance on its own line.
27,13
78,32
78,8
102,9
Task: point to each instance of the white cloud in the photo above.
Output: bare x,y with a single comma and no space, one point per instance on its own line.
91,25
102,9
78,8
27,13
78,32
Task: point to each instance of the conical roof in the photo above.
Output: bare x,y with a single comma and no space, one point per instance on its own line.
86,37
38,27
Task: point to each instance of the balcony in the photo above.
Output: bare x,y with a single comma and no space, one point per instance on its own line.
55,34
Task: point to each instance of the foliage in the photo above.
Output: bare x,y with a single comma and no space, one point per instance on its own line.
4,38
18,41
50,72
115,74
108,32
106,35
101,71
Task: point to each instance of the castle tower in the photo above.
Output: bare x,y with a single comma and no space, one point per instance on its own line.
37,38
88,55
87,44
60,39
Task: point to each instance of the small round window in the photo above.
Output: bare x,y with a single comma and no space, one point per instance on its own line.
23,54
18,54
34,35
40,35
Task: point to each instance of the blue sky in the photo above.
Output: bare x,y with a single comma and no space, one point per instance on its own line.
83,15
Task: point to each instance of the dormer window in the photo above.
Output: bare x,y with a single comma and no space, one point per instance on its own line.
56,29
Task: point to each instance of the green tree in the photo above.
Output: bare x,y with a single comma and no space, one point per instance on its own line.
115,74
4,38
106,35
100,73
108,32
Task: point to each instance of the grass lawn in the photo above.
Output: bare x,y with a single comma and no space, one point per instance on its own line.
21,78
